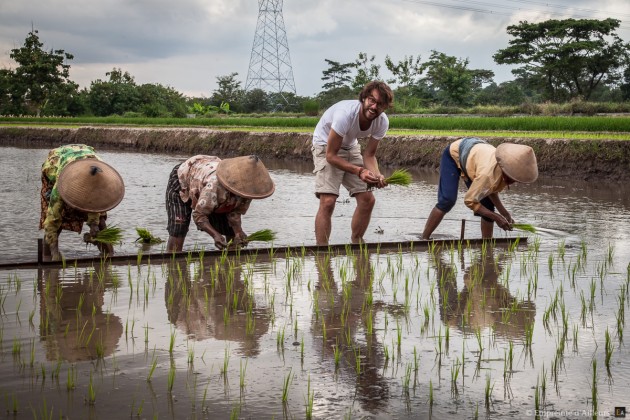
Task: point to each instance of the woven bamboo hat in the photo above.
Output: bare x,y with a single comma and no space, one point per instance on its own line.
518,162
90,185
245,176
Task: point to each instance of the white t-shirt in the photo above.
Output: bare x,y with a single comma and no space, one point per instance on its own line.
343,117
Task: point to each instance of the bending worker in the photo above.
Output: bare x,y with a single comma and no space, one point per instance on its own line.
486,171
77,187
215,193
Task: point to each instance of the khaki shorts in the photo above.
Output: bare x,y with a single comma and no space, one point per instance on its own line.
328,179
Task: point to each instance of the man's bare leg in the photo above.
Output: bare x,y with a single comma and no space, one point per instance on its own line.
323,222
362,215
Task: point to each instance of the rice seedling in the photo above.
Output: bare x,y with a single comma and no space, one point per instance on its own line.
406,380
455,370
171,344
263,235
110,235
242,371
146,237
399,177
488,392
594,391
609,350
71,378
280,339
17,348
310,398
337,355
153,366
191,355
357,359
430,393
524,227
91,397
100,348
226,362
171,377
285,387
14,405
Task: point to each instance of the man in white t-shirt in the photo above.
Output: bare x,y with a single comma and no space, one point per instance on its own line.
338,160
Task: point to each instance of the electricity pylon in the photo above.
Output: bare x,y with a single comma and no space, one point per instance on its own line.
270,63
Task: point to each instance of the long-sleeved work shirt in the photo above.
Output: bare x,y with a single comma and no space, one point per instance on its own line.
199,183
483,171
55,215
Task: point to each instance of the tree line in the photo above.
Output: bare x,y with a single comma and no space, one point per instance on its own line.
555,61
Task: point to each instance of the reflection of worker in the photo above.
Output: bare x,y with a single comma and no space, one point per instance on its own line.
73,325
198,307
338,160
486,171
342,316
215,193
77,187
483,299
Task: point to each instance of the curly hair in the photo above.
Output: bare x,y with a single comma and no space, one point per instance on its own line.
386,94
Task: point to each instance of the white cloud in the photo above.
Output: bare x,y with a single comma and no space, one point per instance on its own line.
188,44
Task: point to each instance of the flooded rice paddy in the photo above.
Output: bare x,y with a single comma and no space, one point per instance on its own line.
459,331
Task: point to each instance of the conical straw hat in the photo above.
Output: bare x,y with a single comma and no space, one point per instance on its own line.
90,185
245,176
518,162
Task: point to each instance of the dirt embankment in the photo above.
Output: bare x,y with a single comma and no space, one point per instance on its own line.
581,159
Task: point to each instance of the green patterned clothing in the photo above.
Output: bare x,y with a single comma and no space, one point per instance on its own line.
55,215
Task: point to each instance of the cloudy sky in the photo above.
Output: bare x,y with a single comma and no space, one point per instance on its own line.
188,43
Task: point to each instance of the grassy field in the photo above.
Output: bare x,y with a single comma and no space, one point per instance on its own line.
596,127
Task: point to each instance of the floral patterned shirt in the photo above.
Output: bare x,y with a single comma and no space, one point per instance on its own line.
199,183
55,215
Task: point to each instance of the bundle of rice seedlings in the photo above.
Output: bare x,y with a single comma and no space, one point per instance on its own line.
525,227
264,235
109,235
145,236
399,177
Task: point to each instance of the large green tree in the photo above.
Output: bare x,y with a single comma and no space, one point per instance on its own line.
41,77
228,91
451,79
406,72
567,58
366,71
337,75
115,96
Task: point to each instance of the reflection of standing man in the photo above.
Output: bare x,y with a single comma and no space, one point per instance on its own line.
338,160
342,316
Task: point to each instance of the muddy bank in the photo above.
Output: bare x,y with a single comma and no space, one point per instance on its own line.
582,159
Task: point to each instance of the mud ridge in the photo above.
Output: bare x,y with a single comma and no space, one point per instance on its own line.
590,160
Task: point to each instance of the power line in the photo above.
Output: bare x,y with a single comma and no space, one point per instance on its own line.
489,6
557,6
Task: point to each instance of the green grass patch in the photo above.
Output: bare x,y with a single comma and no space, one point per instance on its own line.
428,123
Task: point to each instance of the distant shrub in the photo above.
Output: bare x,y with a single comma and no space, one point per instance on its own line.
132,114
310,107
493,110
578,106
